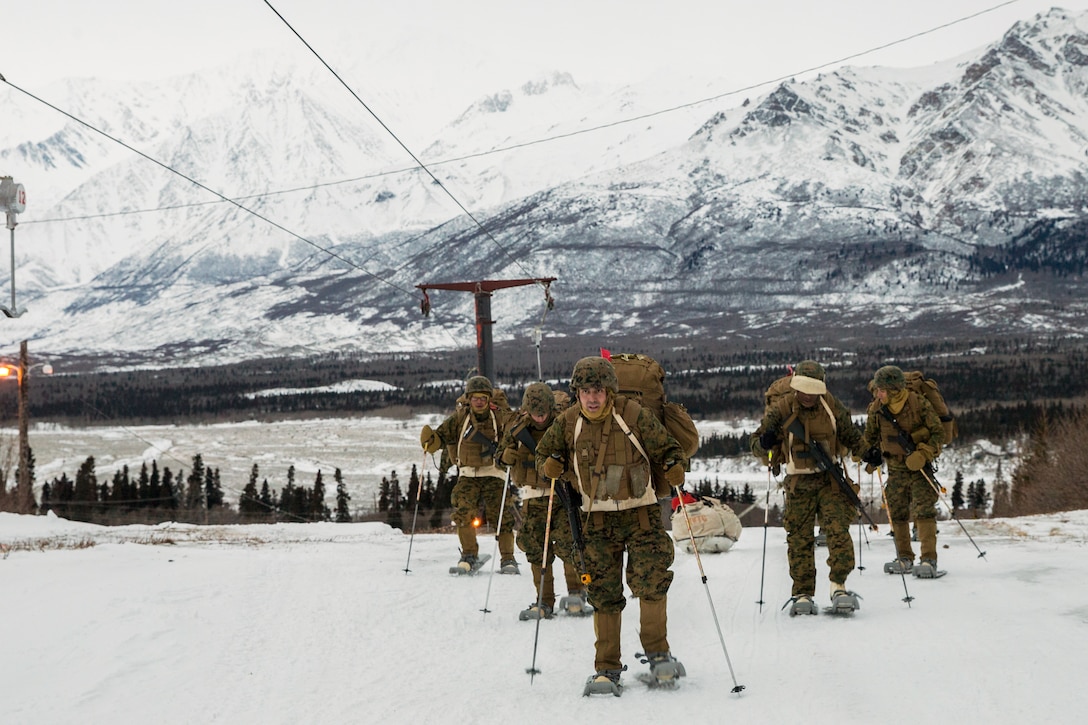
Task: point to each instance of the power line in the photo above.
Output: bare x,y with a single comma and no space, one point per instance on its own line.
400,143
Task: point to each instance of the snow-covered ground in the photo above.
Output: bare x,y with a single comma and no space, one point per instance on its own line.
320,623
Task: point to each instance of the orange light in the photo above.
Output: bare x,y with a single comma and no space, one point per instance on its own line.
6,372
476,523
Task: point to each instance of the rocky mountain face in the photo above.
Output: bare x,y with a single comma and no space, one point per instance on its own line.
942,202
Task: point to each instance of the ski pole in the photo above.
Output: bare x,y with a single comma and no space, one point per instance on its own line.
533,671
498,533
766,513
702,574
952,512
884,494
415,513
861,531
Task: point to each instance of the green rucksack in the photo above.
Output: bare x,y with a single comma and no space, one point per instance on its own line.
642,379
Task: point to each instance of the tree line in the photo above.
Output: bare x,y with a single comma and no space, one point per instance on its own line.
997,388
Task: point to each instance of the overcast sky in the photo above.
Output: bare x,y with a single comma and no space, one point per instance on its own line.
609,40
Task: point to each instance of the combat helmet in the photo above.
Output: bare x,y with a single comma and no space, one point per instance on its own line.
538,399
808,377
478,384
889,377
594,372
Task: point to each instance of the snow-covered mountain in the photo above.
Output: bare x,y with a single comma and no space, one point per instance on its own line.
867,199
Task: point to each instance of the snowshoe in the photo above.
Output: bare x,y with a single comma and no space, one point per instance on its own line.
902,565
534,612
665,670
605,682
576,605
927,569
801,605
508,566
843,602
469,564
821,539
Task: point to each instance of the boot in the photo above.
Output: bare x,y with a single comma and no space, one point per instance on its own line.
506,546
653,621
544,611
576,604
466,535
927,537
605,682
544,582
802,604
843,601
606,627
664,668
903,548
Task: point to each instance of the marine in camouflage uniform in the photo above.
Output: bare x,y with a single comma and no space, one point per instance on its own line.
809,491
538,409
592,443
470,437
910,494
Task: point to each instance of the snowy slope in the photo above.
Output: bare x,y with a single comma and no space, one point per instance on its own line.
321,624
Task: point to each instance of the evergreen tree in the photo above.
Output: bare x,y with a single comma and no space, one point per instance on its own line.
169,491
957,491
396,498
143,487
748,495
194,492
414,491
156,494
268,500
343,513
249,505
443,490
85,491
213,488
383,495
318,511
426,499
980,498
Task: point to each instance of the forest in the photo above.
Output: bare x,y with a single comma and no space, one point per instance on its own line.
998,390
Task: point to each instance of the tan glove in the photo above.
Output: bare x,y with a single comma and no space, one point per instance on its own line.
674,475
510,455
922,455
429,440
921,435
552,468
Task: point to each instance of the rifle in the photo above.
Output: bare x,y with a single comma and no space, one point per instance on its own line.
824,462
486,443
526,438
908,444
567,494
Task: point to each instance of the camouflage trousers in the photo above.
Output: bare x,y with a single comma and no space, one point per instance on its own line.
534,518
470,492
641,534
910,496
810,495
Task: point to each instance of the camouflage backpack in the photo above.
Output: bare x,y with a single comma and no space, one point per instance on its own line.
928,389
642,379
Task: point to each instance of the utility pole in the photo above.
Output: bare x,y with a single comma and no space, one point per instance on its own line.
485,356
13,202
24,494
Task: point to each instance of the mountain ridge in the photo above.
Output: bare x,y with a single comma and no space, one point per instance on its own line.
948,198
